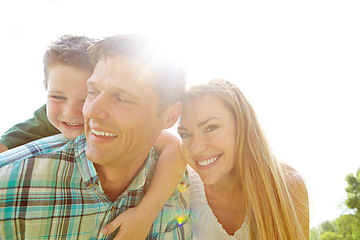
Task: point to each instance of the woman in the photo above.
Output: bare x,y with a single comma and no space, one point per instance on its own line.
244,192
239,189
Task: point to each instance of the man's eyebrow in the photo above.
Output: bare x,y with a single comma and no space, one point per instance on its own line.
123,91
114,89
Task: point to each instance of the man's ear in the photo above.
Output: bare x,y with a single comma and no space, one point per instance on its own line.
172,114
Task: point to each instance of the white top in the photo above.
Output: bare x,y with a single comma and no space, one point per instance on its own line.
205,224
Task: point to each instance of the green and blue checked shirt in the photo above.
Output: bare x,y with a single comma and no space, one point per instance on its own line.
50,190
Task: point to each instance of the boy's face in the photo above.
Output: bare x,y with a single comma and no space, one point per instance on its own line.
66,93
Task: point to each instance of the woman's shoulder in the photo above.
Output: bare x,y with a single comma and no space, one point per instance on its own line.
299,195
292,177
296,186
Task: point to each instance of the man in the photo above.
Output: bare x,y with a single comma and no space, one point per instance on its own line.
52,190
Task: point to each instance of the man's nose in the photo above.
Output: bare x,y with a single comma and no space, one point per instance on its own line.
96,108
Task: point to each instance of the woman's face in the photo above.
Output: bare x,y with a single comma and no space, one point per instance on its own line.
208,132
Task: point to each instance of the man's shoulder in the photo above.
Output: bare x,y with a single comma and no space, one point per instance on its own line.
39,147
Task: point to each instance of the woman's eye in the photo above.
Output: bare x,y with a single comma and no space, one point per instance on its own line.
211,128
184,135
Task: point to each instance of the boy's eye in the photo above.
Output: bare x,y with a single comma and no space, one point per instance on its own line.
58,97
120,99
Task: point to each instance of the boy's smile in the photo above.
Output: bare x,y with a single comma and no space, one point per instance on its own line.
66,93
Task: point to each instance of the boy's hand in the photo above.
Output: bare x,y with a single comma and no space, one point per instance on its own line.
3,148
133,225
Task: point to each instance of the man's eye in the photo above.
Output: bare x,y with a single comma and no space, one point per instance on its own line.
91,93
123,99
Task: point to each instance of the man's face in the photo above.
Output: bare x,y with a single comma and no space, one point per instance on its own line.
122,119
66,93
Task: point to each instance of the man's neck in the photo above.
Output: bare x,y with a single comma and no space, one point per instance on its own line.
115,181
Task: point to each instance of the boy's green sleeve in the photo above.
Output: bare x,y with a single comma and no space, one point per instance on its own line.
30,130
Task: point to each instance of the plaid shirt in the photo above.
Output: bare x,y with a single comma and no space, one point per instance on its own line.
50,190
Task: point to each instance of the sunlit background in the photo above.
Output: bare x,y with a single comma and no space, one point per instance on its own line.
297,62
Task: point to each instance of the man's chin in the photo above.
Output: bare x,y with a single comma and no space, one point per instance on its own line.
93,155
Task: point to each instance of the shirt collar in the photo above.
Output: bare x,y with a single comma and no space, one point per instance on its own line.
88,171
86,167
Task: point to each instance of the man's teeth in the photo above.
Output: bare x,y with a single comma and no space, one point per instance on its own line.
98,133
207,162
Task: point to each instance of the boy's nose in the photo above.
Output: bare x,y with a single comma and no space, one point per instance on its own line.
73,109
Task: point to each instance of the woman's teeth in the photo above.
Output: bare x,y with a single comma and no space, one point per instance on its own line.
72,124
98,133
207,162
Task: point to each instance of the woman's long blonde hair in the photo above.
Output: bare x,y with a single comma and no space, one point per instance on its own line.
276,208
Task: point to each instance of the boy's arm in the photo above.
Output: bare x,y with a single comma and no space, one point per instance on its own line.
28,131
169,171
3,148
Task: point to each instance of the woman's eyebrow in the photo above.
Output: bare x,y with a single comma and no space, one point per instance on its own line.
200,124
181,128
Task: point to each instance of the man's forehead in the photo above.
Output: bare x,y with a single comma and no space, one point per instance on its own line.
125,66
119,74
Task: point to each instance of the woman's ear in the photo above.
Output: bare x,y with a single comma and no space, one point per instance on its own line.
172,114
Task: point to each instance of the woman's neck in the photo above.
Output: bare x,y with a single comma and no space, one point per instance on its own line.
227,186
226,201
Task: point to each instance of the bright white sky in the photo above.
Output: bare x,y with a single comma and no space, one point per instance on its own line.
298,64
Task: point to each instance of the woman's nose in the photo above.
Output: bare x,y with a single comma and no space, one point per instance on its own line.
197,146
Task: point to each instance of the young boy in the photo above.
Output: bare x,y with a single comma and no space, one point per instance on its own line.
67,67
